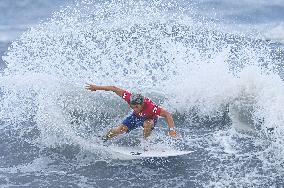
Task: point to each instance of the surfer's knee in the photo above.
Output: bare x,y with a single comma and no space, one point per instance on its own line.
148,124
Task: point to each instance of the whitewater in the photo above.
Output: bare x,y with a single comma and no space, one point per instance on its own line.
224,87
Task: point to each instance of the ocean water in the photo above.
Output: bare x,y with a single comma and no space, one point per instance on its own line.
216,65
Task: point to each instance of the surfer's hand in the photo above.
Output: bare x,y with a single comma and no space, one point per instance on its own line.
91,87
173,133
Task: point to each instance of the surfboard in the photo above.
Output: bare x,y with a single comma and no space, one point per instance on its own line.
137,152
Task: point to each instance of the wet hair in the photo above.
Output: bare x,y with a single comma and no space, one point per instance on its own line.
136,98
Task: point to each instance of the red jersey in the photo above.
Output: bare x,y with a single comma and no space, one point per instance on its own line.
150,109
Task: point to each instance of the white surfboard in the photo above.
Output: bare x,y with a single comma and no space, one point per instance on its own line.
136,152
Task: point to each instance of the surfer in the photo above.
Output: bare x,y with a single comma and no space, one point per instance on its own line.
145,113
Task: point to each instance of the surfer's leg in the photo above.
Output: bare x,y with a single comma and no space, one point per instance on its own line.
127,125
115,131
148,127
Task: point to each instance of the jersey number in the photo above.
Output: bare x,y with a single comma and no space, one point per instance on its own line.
155,110
124,95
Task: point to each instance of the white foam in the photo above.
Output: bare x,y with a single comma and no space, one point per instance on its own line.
39,164
193,67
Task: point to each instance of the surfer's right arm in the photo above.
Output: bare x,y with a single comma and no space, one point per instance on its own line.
93,87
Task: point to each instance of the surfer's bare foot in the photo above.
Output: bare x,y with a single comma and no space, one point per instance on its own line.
108,136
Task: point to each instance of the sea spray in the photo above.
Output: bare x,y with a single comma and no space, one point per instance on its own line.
152,47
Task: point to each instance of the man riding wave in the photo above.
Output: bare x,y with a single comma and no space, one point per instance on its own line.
145,113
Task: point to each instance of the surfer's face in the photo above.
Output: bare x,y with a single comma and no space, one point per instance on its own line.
136,107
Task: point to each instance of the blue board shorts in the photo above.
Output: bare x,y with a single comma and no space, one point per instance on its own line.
133,121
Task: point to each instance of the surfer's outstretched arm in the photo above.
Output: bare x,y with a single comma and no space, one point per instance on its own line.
170,121
93,87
